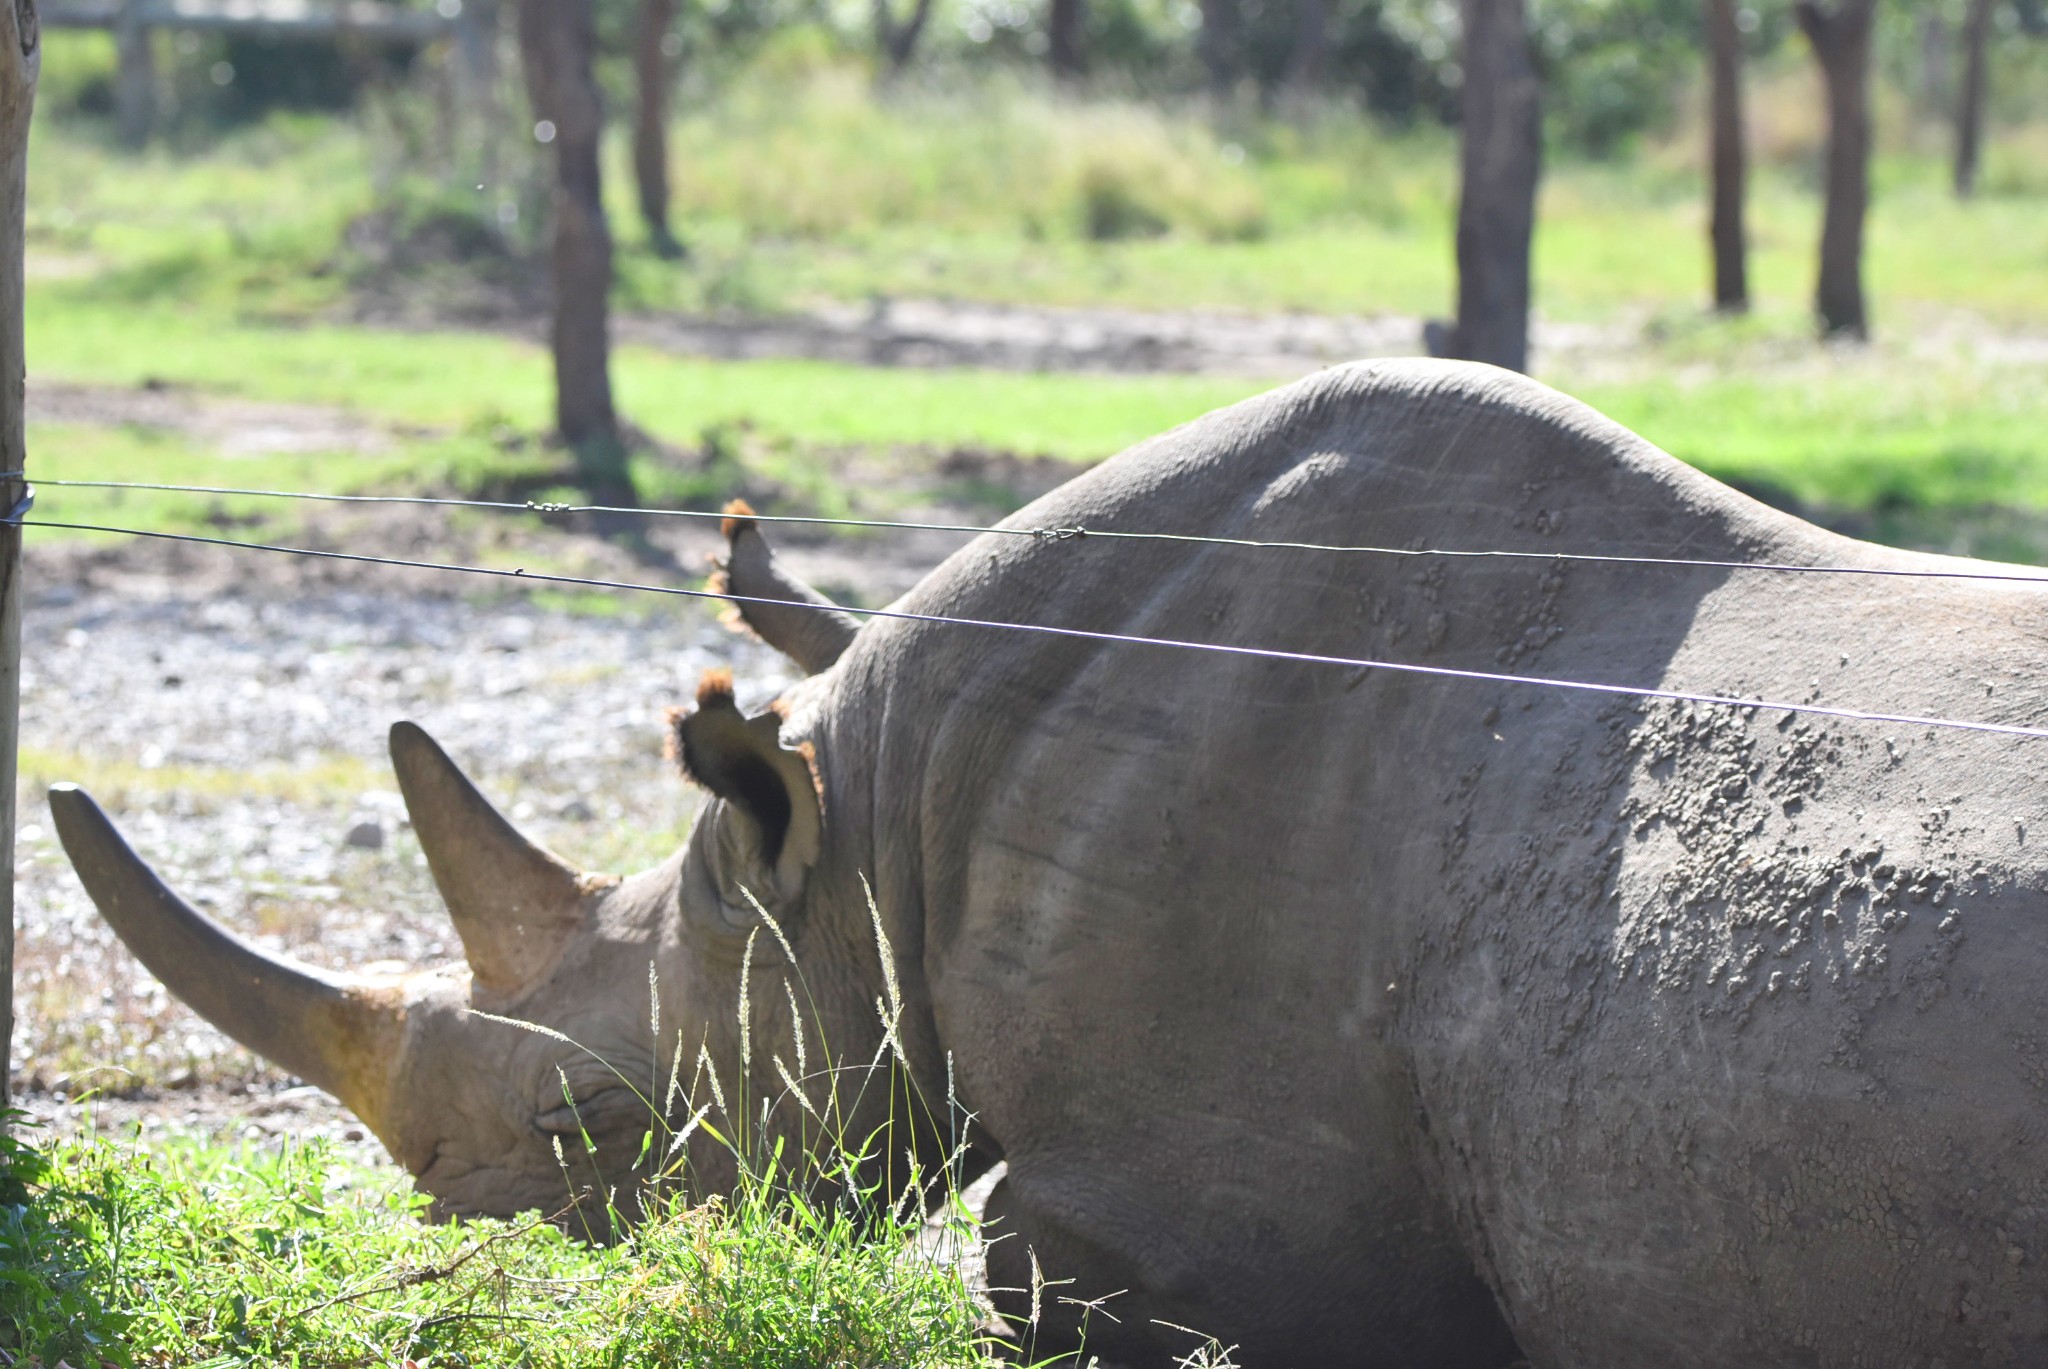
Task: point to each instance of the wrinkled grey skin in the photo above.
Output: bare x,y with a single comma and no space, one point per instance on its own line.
1359,1018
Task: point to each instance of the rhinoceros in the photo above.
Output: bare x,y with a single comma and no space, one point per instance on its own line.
1349,1015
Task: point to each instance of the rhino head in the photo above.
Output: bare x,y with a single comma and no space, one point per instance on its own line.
533,1072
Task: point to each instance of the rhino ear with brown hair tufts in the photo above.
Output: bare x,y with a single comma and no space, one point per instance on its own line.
782,610
772,825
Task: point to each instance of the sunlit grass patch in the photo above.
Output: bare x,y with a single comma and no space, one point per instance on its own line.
470,383
125,782
181,1254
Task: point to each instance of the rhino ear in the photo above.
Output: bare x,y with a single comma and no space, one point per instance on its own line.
782,610
773,826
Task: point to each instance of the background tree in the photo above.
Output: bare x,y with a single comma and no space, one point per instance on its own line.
898,41
1841,44
656,47
1220,46
135,82
1970,96
1311,47
21,56
1727,160
1064,52
1501,159
557,41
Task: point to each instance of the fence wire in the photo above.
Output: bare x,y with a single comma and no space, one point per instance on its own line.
1067,533
1354,663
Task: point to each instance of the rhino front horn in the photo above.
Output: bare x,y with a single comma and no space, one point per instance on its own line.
513,902
339,1032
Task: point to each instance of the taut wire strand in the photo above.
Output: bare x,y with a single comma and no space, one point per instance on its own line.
1086,634
1062,534
539,506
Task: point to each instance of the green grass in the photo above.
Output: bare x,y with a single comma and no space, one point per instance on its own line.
477,382
1607,245
116,1252
322,778
1939,437
796,184
1920,438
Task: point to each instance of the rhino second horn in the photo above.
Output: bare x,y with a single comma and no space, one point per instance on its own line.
339,1032
513,903
813,637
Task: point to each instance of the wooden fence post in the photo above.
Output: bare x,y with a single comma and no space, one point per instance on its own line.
20,62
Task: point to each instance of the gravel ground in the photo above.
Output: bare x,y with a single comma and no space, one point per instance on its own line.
232,715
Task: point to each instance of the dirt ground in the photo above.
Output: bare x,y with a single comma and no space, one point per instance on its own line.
911,332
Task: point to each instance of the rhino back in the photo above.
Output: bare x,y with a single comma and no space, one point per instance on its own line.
1295,987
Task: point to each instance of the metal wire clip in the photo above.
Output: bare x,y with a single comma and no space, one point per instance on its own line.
21,507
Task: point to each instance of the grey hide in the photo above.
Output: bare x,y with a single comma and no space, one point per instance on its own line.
1358,1018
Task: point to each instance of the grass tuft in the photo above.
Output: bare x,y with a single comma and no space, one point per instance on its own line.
112,1253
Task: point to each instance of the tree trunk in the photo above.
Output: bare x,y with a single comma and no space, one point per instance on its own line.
1311,46
1218,45
20,62
1841,44
556,42
654,67
479,119
1724,49
1970,99
899,41
1501,108
134,77
1063,50
1934,62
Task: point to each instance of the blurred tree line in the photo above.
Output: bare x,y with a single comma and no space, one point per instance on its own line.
1612,70
1514,76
